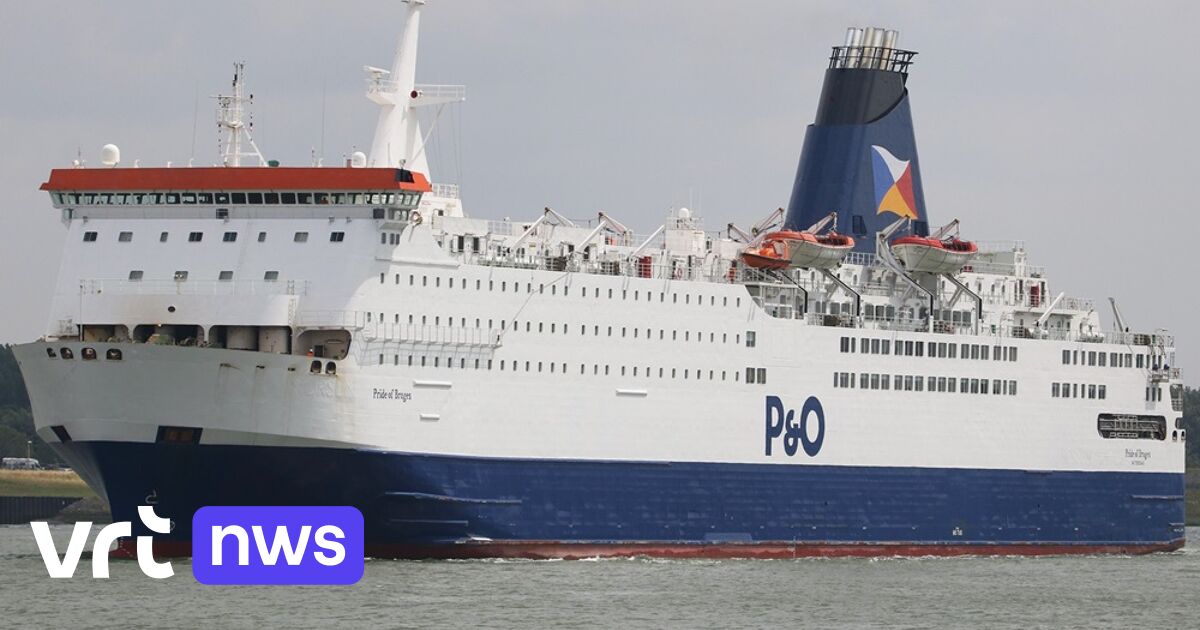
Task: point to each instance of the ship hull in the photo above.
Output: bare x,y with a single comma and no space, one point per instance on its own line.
425,506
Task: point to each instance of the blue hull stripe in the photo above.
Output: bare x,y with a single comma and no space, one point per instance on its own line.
410,499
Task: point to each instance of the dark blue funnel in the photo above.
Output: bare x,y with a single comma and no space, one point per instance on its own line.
860,155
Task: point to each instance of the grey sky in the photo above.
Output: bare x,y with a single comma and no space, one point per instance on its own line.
1069,125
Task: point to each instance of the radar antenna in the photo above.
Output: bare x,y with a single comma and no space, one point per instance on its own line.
234,140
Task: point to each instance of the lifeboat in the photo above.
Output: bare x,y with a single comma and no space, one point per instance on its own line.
931,255
769,254
814,251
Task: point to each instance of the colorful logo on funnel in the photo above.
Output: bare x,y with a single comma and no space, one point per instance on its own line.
893,184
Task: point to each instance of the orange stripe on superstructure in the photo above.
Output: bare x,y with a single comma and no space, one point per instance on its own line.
230,178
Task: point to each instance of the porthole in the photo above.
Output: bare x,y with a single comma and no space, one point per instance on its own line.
67,353
113,354
88,354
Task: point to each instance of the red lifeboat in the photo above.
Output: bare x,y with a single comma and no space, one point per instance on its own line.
814,251
919,253
768,254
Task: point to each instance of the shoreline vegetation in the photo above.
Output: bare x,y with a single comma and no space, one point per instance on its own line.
43,483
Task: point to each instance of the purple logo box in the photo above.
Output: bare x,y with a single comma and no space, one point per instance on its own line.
277,545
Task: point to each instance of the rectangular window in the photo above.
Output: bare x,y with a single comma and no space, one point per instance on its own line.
337,237
300,237
762,376
1054,390
750,339
125,237
135,275
225,275
271,276
180,276
195,237
237,197
229,237
89,237
222,213
162,238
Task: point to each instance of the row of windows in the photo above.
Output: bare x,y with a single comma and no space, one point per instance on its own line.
555,328
227,237
236,198
753,375
911,383
1078,390
181,275
936,349
1104,359
516,287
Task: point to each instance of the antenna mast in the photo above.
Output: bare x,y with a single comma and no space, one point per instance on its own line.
231,127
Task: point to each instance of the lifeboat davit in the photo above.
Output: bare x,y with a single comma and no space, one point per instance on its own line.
814,251
931,255
768,254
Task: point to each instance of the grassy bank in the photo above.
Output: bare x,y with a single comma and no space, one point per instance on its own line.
42,483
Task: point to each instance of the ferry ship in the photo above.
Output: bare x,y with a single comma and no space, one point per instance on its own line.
846,378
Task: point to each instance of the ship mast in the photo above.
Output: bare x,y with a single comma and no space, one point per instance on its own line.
398,141
231,127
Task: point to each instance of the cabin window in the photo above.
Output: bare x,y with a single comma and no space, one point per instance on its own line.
337,237
180,276
225,276
750,339
229,237
195,237
162,238
300,237
135,275
271,276
222,213
125,237
262,237
89,237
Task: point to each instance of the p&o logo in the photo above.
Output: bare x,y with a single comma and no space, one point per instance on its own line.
783,424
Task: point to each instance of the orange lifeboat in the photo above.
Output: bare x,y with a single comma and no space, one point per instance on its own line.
769,254
814,251
931,255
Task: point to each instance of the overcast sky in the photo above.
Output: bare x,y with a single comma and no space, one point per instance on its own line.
1069,125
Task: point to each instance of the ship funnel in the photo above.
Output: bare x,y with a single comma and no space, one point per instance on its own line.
859,157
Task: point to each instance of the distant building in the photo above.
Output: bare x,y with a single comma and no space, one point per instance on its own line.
20,463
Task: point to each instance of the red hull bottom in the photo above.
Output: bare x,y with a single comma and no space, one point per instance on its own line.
548,550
